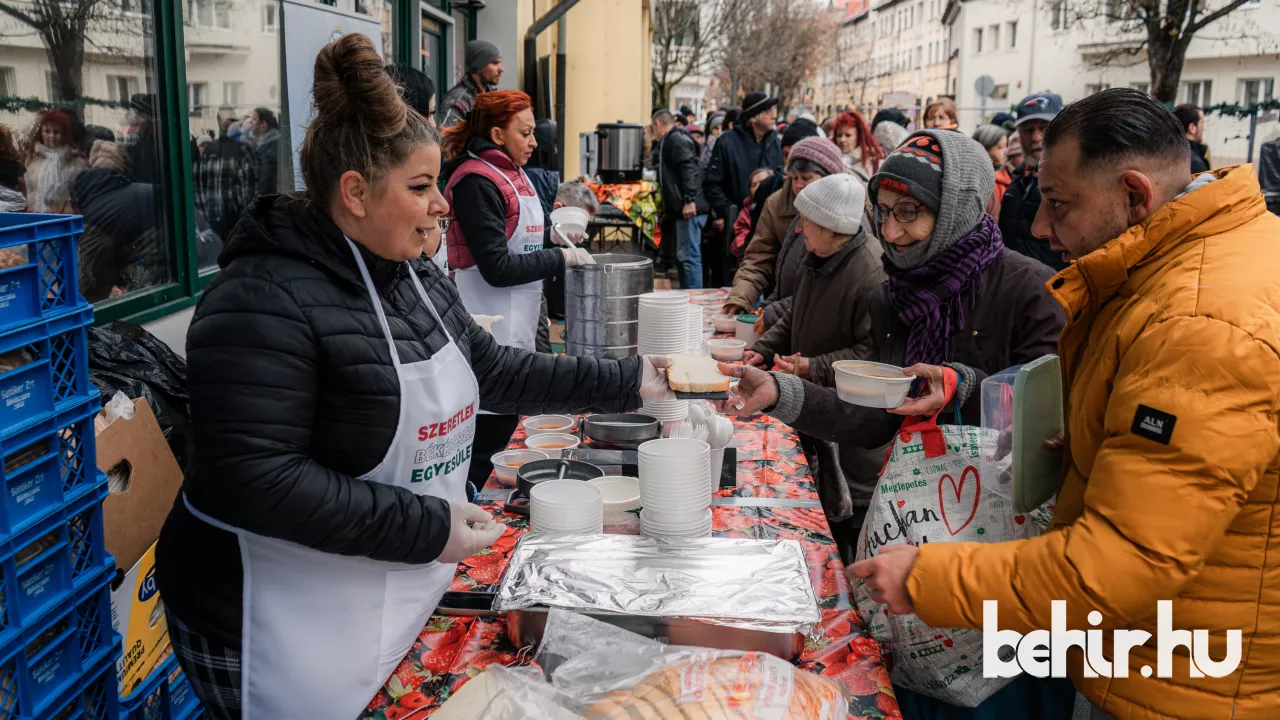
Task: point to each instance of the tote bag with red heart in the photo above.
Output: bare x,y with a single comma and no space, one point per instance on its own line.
931,491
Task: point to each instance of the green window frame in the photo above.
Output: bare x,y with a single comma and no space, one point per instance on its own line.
171,83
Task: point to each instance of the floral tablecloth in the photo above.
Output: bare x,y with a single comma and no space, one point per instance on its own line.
452,650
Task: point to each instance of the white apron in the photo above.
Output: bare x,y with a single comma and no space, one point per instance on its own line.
519,305
323,632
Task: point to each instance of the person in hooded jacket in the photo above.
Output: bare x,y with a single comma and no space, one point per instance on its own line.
954,296
335,377
495,244
121,246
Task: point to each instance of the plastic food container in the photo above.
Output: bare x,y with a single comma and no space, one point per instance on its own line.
745,329
552,442
507,462
726,350
870,384
724,323
542,424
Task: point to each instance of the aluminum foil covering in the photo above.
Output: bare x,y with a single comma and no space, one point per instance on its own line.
751,584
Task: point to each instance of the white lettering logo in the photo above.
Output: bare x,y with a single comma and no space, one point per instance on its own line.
1151,424
1043,653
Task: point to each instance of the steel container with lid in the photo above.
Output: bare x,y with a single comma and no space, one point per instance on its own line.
621,154
602,305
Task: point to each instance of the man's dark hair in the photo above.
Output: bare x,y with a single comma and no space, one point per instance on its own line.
1188,115
1116,123
267,117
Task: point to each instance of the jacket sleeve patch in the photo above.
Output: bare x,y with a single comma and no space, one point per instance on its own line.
1153,424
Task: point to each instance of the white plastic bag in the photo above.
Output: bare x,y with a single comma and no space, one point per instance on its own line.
932,490
120,406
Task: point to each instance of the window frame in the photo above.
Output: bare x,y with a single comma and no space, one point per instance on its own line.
189,281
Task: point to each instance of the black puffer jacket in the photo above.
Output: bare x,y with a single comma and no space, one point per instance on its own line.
736,155
679,173
1017,212
293,396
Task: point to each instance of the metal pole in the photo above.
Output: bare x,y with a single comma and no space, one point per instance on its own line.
562,34
1253,131
531,45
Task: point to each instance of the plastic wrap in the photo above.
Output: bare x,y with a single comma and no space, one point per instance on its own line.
126,358
603,672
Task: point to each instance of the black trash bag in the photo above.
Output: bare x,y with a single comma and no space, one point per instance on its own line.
125,357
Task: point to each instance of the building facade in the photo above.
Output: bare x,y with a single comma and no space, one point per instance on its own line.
892,53
1034,46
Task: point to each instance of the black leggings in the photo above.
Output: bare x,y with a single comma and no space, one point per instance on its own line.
493,433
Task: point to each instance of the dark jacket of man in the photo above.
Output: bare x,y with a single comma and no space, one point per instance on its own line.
1199,157
121,245
458,102
728,178
679,173
1017,213
268,149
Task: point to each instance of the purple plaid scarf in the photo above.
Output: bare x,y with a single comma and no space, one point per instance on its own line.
931,300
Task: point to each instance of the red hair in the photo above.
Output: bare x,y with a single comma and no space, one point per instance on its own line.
60,119
872,153
492,110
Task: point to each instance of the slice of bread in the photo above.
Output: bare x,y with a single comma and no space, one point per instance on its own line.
696,374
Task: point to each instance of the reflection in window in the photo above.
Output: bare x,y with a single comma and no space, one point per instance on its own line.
239,156
91,141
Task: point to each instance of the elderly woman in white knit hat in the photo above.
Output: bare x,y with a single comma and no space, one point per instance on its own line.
828,321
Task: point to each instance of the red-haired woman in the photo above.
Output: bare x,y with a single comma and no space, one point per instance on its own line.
53,158
862,154
495,242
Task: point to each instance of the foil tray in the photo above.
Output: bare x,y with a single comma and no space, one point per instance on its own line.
749,585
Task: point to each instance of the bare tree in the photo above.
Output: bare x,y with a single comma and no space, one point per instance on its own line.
688,39
1159,30
776,43
65,26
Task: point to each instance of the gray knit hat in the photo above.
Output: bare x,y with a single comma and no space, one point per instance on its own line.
834,202
481,53
989,135
967,184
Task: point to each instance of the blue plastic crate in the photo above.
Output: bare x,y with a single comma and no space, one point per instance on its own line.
165,695
93,698
46,465
44,369
51,562
55,656
47,283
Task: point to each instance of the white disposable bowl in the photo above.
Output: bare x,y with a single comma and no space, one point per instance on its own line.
571,219
870,384
546,440
724,323
618,491
676,520
687,448
727,350
668,297
542,424
507,462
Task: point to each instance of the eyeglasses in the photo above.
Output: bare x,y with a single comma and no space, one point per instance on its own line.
904,212
445,221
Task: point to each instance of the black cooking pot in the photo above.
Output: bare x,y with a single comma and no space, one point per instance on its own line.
539,471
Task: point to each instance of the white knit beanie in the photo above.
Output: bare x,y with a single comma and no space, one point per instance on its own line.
834,202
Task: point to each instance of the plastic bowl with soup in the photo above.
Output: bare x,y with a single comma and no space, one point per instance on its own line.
724,323
508,462
542,424
726,350
552,442
869,384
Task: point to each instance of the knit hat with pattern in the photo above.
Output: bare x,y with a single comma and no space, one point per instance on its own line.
914,169
819,151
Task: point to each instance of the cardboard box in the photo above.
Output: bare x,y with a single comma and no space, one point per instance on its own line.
145,479
136,452
138,615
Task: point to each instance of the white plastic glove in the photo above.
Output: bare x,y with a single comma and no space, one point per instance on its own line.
573,257
467,540
487,321
653,384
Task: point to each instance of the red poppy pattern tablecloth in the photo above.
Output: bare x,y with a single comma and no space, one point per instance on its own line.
452,650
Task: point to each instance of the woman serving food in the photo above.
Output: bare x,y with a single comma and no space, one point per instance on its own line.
335,378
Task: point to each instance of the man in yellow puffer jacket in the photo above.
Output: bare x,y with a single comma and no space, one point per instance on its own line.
1171,472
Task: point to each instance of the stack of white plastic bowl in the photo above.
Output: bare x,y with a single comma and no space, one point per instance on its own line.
696,324
675,488
621,500
566,506
664,330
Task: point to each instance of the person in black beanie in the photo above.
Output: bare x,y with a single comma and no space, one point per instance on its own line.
752,143
419,92
484,69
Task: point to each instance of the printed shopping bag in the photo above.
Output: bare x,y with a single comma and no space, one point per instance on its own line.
931,490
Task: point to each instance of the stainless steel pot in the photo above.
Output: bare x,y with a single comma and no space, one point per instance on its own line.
602,305
621,154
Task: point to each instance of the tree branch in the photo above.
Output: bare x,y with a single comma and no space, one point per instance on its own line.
1197,25
18,15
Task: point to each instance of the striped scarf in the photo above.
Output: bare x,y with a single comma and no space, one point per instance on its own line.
931,300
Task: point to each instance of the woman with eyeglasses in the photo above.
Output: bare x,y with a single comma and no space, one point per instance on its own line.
954,298
335,378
